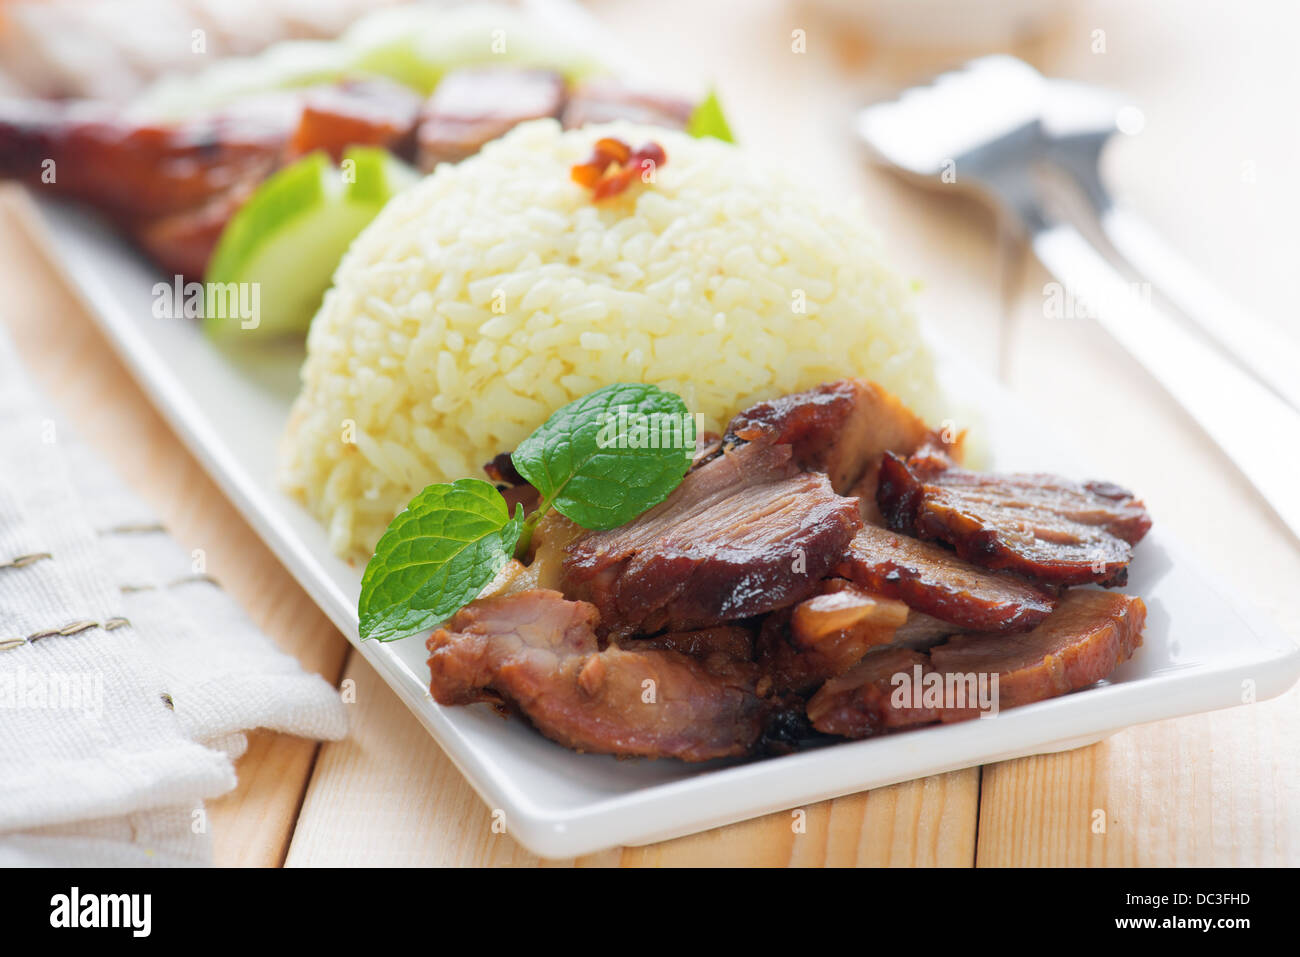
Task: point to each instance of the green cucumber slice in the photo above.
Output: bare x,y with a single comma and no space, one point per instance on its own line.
281,249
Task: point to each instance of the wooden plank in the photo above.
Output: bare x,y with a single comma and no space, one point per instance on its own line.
253,824
388,795
1207,790
70,359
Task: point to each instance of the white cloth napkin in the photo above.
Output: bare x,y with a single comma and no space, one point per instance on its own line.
126,675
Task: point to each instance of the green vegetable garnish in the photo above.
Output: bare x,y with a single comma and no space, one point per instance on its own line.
285,242
435,556
592,461
708,120
601,461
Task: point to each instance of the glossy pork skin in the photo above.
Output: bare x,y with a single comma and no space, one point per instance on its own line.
1043,527
1090,633
742,535
840,428
934,580
139,171
174,186
1084,639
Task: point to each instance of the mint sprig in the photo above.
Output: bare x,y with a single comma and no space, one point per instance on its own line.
435,556
601,461
604,459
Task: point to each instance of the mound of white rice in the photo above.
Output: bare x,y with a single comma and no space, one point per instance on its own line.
496,291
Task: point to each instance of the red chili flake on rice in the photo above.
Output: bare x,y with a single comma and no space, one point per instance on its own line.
614,164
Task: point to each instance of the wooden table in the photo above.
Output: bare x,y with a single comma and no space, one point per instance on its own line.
1213,169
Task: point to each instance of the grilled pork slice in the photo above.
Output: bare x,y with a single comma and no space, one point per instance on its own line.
603,101
371,112
824,636
140,171
931,579
174,186
733,642
1041,526
1086,637
475,105
182,243
742,535
840,428
861,702
537,653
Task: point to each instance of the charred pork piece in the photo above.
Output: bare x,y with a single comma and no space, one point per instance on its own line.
140,171
859,703
931,579
537,653
742,535
1043,527
1086,637
357,113
734,642
824,636
603,101
182,243
840,428
174,186
475,105
363,113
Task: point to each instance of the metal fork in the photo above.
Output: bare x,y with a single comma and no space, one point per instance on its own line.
1078,121
988,128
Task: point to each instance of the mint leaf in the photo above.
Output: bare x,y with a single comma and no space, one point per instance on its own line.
708,120
435,557
604,459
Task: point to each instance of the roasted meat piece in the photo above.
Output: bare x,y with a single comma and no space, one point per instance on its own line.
840,428
139,171
1043,527
182,243
371,112
744,534
824,636
860,703
734,642
537,653
478,104
604,100
933,580
1086,637
174,186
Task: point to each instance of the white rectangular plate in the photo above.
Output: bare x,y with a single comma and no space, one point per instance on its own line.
1199,650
